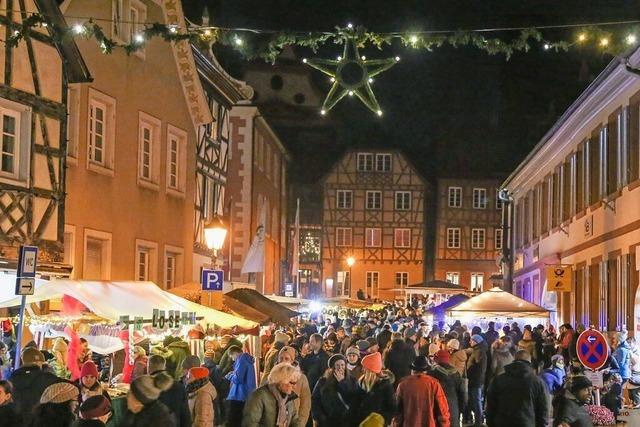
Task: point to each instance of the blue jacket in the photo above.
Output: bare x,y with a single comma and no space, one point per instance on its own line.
623,357
553,379
242,378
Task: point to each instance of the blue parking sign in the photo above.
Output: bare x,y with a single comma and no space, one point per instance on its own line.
212,280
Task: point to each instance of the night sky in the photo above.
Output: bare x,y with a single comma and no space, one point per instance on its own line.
456,112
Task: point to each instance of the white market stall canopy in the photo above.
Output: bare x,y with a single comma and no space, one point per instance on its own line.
110,300
497,303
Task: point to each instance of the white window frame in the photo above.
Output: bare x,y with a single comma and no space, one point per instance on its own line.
73,123
403,197
479,198
366,165
478,238
370,233
21,143
136,17
341,237
374,206
151,248
341,197
372,282
454,197
177,253
146,121
118,25
107,165
477,282
381,162
180,136
452,277
453,236
402,279
497,236
402,233
107,241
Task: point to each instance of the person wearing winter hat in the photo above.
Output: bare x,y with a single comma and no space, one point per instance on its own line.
354,367
554,376
59,362
281,337
363,346
570,406
452,384
243,383
188,363
201,395
333,394
88,383
375,392
142,402
458,357
140,362
57,407
301,388
476,373
373,345
175,397
96,408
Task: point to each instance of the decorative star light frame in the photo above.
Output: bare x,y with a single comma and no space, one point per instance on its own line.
351,74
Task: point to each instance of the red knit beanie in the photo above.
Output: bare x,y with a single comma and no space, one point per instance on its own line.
373,362
89,368
198,373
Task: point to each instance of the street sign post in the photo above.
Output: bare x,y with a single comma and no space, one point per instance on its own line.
559,278
25,285
592,349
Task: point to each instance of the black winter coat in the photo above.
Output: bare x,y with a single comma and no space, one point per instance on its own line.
383,339
477,365
29,383
399,359
568,410
155,414
451,382
9,416
331,400
175,399
517,398
313,365
381,399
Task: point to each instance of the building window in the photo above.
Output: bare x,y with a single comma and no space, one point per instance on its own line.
455,197
498,199
402,237
498,238
172,267
97,255
453,238
117,20
373,237
101,132
344,199
479,198
176,160
453,277
69,256
383,162
477,238
145,263
477,281
148,150
403,200
365,162
373,279
343,236
374,199
402,279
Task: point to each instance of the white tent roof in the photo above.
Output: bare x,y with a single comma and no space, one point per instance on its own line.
497,303
111,300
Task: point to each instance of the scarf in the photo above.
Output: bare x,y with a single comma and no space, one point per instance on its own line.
281,401
196,385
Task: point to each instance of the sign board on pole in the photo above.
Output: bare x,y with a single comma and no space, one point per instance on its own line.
212,280
596,378
25,277
559,278
25,285
592,349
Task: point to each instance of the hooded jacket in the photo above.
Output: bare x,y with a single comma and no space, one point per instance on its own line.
622,354
517,398
422,402
454,391
226,363
242,378
201,405
179,351
29,383
553,378
399,359
261,409
477,365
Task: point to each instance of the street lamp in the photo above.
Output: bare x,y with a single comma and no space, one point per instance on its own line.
350,261
214,234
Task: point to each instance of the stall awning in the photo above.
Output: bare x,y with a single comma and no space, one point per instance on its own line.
111,300
497,303
253,305
433,287
448,304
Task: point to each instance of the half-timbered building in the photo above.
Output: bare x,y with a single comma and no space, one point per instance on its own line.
373,211
469,232
33,101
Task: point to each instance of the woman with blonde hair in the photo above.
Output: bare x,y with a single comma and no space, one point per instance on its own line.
272,405
375,392
333,393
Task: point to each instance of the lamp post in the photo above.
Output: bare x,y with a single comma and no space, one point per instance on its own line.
215,233
350,261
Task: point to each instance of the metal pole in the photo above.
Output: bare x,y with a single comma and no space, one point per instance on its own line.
23,305
350,280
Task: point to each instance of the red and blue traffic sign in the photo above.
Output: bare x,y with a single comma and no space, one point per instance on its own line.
592,349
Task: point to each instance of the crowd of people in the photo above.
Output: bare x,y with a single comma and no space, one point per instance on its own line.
343,368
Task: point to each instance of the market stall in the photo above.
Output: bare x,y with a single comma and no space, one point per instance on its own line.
497,303
252,305
438,291
439,311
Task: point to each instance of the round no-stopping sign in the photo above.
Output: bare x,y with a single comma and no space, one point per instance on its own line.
592,349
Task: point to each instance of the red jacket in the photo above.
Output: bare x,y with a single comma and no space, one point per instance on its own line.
421,403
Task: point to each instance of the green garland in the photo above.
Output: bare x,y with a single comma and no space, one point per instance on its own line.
254,44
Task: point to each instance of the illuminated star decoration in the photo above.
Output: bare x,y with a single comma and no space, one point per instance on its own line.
351,74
